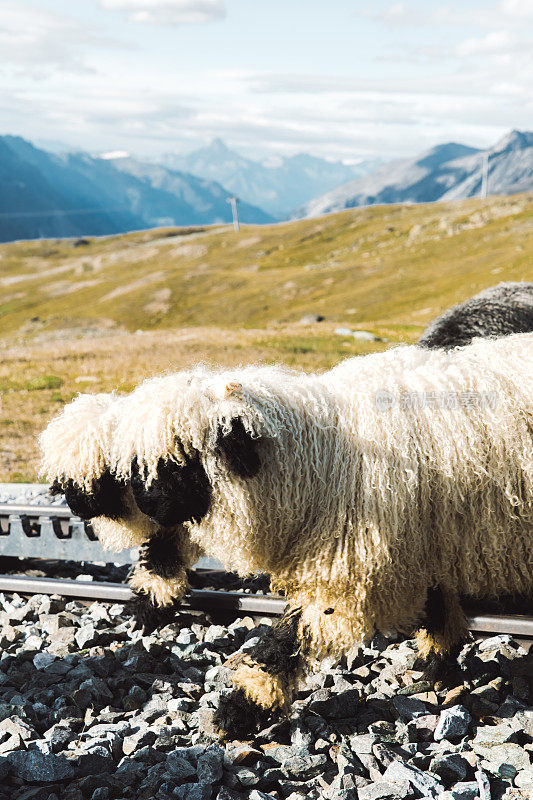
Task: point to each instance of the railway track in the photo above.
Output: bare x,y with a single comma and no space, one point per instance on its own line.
52,532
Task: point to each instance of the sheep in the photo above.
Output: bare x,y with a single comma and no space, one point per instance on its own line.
76,447
496,311
373,494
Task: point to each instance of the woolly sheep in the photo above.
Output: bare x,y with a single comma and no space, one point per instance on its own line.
76,447
496,311
360,491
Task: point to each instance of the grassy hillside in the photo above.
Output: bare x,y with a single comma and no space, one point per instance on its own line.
103,315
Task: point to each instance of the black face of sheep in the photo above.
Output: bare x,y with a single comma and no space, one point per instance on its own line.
238,450
182,492
105,499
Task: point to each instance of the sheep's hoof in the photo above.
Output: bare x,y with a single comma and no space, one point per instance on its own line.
238,717
147,617
442,668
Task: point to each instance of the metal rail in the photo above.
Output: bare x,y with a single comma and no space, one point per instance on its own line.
198,599
205,600
51,531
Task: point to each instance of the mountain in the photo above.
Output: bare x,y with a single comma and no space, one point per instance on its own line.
49,195
446,172
178,198
278,185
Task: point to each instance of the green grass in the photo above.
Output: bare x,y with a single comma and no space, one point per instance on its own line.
396,265
43,382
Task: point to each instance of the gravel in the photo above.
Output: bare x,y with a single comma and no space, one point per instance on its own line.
91,709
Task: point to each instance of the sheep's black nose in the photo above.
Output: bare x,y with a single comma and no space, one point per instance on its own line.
179,492
105,499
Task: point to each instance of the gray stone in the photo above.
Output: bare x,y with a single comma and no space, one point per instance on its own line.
348,761
491,735
363,743
453,723
494,643
409,707
524,779
509,708
229,794
384,789
180,768
192,791
17,727
95,763
331,706
421,781
451,767
464,790
247,777
309,319
35,767
43,660
483,785
304,765
501,755
209,767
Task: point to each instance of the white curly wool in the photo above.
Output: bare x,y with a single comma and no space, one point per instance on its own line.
389,474
76,443
76,446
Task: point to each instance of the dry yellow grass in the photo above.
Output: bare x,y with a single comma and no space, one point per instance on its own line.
105,315
37,379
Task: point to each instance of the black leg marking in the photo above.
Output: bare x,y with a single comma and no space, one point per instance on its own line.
105,499
178,493
237,715
148,617
277,655
239,450
443,668
160,555
441,661
435,611
278,651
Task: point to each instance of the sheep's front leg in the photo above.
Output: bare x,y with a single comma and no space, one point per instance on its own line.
265,680
159,582
443,633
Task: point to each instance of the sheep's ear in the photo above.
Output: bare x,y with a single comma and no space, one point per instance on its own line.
178,493
239,449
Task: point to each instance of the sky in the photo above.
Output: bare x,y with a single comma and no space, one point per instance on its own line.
341,79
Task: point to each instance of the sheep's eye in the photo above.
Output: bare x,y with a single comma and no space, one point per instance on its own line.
178,493
106,498
239,450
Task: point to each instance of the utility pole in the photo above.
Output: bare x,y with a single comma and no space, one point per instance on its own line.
485,175
234,201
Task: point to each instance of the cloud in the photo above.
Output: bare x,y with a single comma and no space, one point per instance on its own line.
168,12
517,8
492,43
38,42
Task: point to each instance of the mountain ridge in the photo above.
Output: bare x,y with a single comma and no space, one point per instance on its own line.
449,171
279,184
75,194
